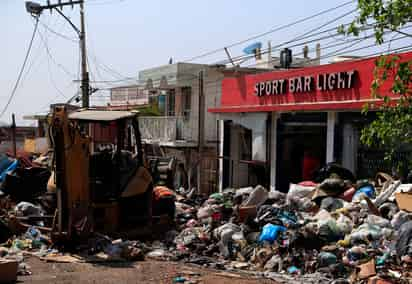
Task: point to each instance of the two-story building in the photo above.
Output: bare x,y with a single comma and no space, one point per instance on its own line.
173,100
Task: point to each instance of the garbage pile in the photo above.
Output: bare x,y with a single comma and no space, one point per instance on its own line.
334,228
23,180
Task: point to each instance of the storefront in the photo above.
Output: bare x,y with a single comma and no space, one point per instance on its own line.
293,121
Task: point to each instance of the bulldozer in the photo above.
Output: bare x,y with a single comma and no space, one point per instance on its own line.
101,179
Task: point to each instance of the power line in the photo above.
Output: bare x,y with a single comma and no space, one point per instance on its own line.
356,40
305,35
269,32
52,79
340,51
360,48
103,2
58,34
46,46
34,58
247,57
13,93
337,52
48,30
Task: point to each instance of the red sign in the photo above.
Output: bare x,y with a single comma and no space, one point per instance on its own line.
339,86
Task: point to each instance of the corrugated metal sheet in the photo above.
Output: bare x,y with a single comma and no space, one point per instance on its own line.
100,115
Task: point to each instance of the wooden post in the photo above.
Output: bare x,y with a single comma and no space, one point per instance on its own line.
201,131
330,137
273,150
13,135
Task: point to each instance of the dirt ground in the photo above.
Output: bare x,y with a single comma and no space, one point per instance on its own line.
135,272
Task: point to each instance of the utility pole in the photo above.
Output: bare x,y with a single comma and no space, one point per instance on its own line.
201,129
36,9
85,74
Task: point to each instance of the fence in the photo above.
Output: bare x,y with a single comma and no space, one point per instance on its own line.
167,128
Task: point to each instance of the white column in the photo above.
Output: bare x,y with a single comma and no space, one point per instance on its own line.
273,149
221,127
330,136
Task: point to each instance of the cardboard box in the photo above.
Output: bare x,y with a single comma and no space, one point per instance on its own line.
404,201
8,271
367,270
247,212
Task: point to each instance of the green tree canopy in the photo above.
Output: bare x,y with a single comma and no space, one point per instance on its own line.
392,128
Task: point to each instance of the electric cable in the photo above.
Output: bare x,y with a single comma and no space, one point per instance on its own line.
58,34
269,32
305,35
13,93
340,51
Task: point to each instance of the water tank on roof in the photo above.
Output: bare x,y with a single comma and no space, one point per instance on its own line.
251,49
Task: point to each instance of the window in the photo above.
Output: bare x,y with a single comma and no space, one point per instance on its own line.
132,94
171,102
186,101
119,95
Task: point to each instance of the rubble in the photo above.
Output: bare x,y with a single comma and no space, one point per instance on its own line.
318,232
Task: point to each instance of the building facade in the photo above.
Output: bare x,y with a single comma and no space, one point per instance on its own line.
277,127
176,122
128,96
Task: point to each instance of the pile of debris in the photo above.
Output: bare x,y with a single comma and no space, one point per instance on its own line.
23,181
334,228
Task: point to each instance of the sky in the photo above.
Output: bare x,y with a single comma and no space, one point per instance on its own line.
125,36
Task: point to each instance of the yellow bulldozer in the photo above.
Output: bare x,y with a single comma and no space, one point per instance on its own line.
102,182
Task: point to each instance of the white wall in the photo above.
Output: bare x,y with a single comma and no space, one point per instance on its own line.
257,123
212,93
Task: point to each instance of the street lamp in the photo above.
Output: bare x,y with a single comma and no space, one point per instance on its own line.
34,8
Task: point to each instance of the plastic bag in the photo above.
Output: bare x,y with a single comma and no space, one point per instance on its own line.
400,218
404,240
326,259
366,233
367,190
331,204
270,233
257,197
299,197
378,221
344,224
217,197
333,168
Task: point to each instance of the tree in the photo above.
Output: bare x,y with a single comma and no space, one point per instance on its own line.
392,128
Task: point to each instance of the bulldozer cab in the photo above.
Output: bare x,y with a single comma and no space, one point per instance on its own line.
100,173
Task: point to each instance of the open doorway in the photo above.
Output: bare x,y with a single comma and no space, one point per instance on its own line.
301,151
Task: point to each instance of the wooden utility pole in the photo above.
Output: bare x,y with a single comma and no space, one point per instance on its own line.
85,74
201,129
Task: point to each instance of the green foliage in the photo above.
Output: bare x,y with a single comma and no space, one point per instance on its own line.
392,128
383,14
149,110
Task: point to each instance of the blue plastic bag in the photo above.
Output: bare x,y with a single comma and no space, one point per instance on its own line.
10,168
270,233
5,161
367,190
